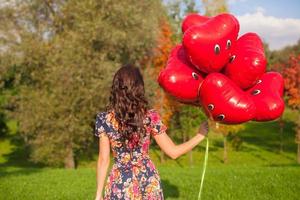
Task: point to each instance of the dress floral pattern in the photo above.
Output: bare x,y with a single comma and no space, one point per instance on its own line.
133,175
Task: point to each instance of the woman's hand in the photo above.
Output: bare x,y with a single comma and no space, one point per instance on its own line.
203,129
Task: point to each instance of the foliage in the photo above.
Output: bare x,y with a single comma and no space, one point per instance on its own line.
226,129
214,7
287,62
190,6
176,10
162,102
189,120
64,54
278,58
291,75
229,130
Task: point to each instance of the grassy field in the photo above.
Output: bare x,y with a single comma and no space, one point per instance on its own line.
258,170
230,182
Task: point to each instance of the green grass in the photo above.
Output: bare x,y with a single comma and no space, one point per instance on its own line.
225,182
232,183
259,170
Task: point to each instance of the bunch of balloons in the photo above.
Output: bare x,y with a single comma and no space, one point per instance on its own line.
223,73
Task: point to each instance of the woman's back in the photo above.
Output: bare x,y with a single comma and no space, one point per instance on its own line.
126,129
133,175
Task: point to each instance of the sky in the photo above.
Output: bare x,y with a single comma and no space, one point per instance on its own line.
277,22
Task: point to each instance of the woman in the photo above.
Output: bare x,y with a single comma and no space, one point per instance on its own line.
126,127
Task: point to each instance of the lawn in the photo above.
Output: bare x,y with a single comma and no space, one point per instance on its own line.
229,182
258,170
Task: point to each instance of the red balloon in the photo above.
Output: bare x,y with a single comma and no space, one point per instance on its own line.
224,101
248,61
193,19
267,96
209,45
180,78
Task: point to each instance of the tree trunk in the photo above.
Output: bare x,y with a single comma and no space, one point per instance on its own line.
184,137
298,154
281,126
298,139
225,155
69,159
191,156
162,157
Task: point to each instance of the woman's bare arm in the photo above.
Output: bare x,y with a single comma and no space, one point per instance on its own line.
173,150
102,164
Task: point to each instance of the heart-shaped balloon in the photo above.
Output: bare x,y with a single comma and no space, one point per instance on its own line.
267,96
193,19
224,101
248,61
180,78
209,45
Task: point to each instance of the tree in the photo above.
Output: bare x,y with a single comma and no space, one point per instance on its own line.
214,7
227,130
291,75
190,6
162,102
176,10
277,59
190,118
65,53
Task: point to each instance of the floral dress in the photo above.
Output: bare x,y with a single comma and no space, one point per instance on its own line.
133,175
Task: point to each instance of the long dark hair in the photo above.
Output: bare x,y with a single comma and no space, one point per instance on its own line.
128,101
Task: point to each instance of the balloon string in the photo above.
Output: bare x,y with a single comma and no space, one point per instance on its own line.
204,169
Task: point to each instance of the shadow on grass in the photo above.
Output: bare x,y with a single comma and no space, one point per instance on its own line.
5,172
170,190
18,158
284,165
218,144
267,136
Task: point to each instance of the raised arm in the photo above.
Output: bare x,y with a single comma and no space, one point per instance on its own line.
173,150
102,164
